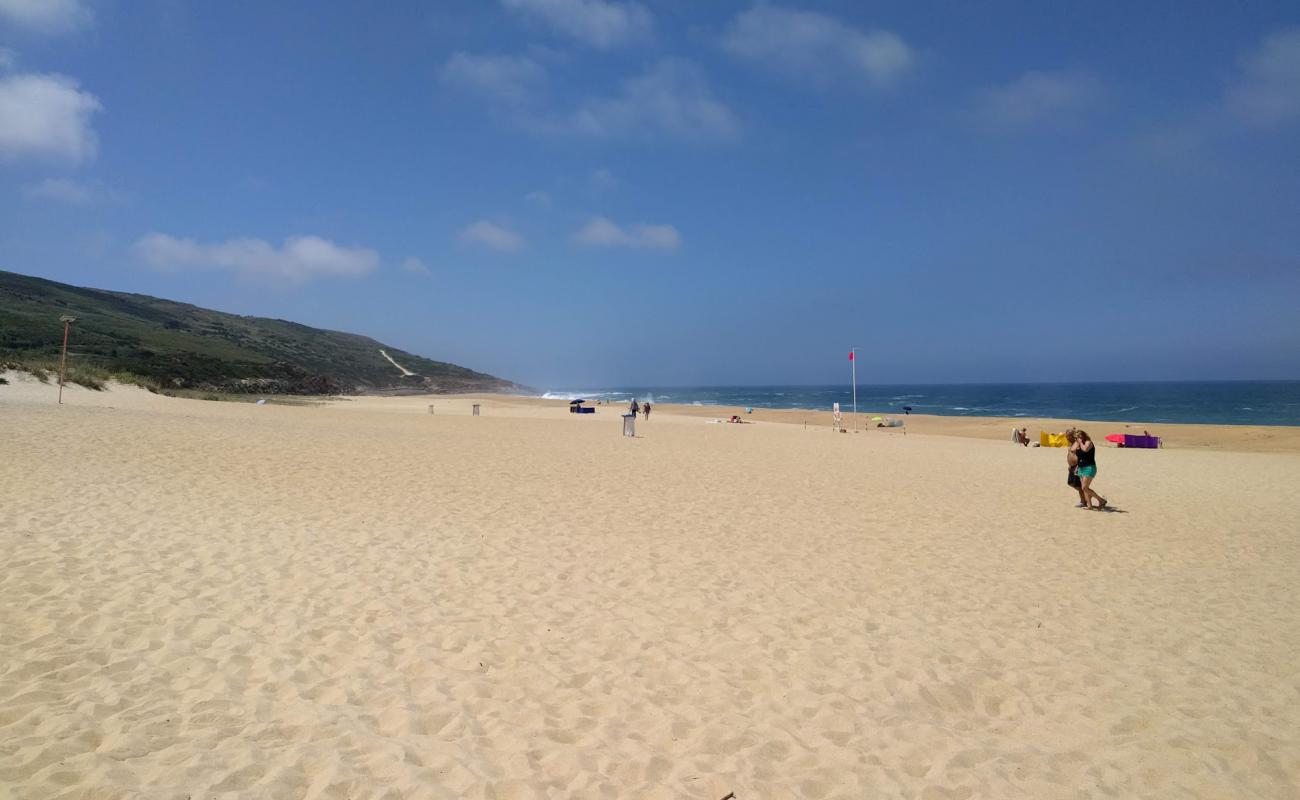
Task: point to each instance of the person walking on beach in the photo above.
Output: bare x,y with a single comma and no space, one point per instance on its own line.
635,408
1071,465
1086,453
645,409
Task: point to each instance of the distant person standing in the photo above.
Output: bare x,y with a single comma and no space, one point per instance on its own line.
1086,452
635,408
645,409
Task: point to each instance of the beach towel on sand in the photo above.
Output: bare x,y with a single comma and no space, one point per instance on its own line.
1141,442
1046,439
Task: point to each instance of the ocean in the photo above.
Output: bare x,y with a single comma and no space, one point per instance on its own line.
1215,403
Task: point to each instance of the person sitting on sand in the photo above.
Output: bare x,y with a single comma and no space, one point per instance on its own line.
1022,437
1086,453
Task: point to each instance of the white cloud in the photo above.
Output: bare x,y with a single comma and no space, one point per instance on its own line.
47,16
299,260
1267,92
1037,97
414,266
493,236
601,232
8,59
72,192
512,80
809,46
671,98
47,117
598,23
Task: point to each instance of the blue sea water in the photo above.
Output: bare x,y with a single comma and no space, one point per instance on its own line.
1217,403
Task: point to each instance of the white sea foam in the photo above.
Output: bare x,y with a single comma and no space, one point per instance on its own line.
566,395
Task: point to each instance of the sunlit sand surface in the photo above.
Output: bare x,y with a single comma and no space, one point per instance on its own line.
362,600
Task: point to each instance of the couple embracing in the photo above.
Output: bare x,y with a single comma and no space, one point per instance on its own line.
1082,458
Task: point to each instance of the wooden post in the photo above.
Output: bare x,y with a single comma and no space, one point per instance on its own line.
63,357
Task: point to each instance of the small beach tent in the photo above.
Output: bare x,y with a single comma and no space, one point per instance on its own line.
1046,439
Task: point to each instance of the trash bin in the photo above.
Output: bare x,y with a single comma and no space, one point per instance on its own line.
475,410
629,425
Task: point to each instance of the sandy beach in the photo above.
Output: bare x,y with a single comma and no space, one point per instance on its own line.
362,600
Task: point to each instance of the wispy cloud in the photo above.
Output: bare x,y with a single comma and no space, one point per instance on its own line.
46,117
414,266
72,192
1038,97
299,260
672,99
1266,93
539,199
602,24
47,16
601,180
8,59
1263,94
493,236
601,232
813,47
503,79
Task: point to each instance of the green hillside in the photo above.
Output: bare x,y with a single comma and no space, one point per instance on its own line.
184,346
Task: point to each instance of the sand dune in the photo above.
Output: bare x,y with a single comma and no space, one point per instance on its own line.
365,601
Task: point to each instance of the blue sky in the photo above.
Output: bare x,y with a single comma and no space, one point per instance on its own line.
573,193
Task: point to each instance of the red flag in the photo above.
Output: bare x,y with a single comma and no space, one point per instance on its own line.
850,355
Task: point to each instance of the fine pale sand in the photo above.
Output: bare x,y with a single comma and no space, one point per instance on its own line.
361,600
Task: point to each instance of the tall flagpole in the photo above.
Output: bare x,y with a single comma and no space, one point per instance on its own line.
853,361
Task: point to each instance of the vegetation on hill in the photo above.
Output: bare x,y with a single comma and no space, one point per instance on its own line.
165,344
